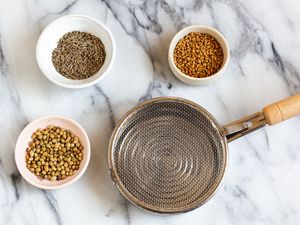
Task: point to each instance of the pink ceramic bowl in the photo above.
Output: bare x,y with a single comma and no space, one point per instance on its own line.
25,137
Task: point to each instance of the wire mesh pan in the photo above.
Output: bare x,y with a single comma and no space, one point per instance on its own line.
167,155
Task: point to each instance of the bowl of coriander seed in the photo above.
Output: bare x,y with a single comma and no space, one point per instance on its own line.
198,55
75,51
52,152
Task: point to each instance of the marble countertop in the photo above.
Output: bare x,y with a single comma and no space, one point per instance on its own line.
262,181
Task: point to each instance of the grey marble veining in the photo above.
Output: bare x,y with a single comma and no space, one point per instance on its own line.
262,182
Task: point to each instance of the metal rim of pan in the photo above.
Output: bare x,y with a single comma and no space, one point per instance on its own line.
117,180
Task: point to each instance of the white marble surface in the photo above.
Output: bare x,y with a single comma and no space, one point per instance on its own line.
262,184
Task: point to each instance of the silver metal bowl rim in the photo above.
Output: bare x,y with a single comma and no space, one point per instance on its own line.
133,199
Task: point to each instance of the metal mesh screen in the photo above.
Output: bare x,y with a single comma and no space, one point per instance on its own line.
168,156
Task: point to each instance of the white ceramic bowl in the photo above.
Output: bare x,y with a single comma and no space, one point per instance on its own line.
201,29
54,31
25,137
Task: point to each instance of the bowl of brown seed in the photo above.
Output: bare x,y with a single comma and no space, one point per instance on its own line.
75,51
52,152
198,55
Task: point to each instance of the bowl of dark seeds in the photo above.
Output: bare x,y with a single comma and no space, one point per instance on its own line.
75,51
52,152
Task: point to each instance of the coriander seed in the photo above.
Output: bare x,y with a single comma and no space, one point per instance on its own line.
49,159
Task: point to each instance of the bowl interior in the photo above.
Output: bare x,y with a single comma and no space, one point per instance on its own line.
25,138
201,29
49,39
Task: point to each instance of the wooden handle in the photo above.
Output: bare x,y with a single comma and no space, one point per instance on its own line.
282,110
